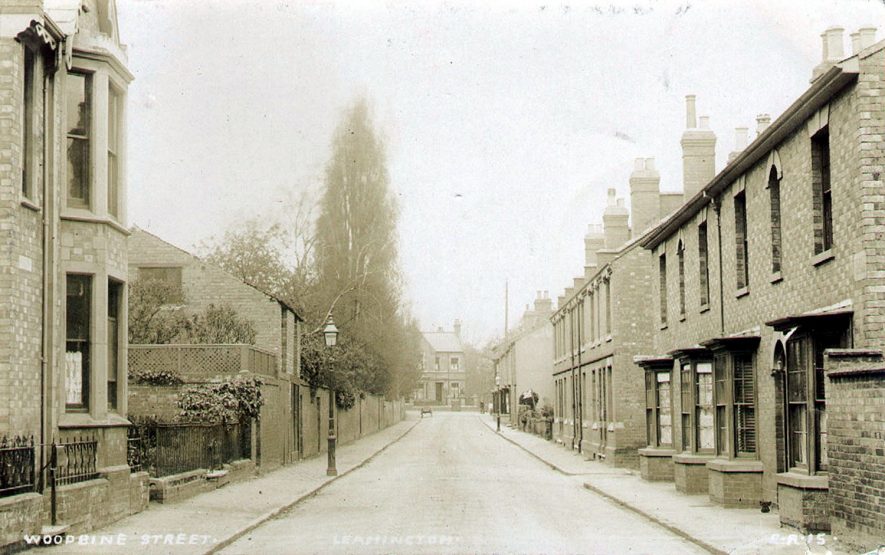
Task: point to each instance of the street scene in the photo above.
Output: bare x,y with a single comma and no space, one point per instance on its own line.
371,276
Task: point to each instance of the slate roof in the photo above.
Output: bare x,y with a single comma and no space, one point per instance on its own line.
444,341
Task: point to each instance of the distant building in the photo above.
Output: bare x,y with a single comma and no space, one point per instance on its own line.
443,371
63,269
522,360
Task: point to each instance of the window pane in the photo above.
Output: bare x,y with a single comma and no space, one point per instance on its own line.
704,407
77,329
745,428
721,431
662,267
113,140
798,435
78,171
77,93
702,264
665,418
686,432
743,379
113,341
820,414
28,118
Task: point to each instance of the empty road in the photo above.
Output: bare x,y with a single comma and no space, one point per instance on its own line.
453,486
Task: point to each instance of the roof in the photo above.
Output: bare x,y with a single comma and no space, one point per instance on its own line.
136,229
819,93
443,341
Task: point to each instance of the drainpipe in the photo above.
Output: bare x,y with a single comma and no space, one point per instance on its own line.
48,263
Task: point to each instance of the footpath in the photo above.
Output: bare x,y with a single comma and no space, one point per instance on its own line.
693,517
210,521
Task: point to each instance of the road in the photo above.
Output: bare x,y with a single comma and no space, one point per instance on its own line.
453,486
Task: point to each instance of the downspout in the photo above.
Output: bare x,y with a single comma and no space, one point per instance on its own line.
48,263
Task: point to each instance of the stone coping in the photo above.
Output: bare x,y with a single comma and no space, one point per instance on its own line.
735,465
656,452
10,502
799,480
859,371
692,458
74,420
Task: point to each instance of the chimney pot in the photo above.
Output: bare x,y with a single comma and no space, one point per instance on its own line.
867,36
621,202
740,138
705,122
650,164
611,196
835,48
690,113
855,42
639,164
762,123
546,294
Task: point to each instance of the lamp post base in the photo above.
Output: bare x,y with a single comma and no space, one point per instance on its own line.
331,470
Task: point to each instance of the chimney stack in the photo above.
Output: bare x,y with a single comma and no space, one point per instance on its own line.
855,43
740,142
457,328
867,36
698,152
645,195
614,221
832,50
593,241
762,123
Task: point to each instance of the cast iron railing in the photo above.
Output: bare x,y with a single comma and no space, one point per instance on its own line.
166,449
16,465
75,460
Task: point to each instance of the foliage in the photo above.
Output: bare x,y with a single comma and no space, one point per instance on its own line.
219,324
547,413
227,402
161,376
157,316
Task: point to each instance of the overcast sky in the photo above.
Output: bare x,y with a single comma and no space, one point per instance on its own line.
505,122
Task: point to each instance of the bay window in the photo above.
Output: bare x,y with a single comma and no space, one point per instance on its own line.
733,396
78,88
659,407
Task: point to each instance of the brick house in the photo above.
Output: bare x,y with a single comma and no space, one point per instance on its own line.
523,358
766,279
443,370
63,83
278,335
602,322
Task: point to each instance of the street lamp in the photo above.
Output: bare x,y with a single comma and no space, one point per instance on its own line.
330,333
498,387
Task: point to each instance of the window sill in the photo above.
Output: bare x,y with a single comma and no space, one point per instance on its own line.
742,292
776,277
79,215
735,465
822,257
704,308
682,317
27,203
608,338
85,420
692,458
657,452
662,326
798,479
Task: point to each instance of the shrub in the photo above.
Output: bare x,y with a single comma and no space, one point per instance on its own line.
162,376
228,402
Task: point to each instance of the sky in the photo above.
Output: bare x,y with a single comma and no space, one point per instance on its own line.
504,122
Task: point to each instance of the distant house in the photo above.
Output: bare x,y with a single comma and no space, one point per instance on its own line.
275,356
523,359
443,371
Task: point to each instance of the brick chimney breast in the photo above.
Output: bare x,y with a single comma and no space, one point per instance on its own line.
593,242
645,198
614,221
698,152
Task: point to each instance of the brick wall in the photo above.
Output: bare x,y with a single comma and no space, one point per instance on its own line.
856,445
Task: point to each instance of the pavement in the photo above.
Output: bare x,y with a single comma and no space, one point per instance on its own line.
207,522
693,517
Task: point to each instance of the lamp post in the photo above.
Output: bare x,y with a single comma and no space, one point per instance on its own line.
330,333
498,387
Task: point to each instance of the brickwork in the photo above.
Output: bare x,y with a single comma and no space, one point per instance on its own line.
656,465
849,275
20,515
690,477
735,488
855,409
803,506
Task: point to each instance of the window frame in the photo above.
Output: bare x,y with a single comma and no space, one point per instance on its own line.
654,377
114,147
776,222
85,343
680,262
690,397
85,202
807,408
28,163
822,192
742,254
703,265
726,353
662,277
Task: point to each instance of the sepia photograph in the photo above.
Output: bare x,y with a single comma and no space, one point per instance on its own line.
442,277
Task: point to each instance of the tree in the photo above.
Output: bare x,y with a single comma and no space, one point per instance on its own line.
157,315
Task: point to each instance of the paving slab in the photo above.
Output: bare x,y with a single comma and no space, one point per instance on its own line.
716,528
209,521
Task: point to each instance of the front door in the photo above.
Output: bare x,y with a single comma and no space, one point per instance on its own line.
439,392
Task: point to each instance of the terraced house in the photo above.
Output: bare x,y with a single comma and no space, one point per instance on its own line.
602,322
63,82
765,367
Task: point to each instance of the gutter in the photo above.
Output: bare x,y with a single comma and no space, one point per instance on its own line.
821,91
